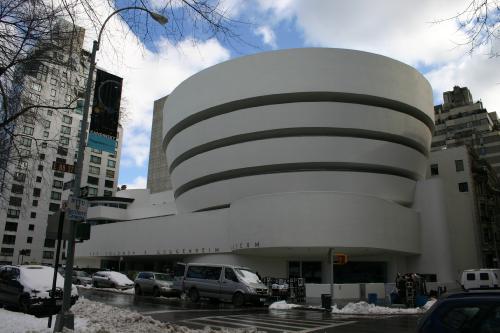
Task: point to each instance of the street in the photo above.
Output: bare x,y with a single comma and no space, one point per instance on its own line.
223,315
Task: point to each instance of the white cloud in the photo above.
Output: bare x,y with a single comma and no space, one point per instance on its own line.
400,29
147,75
267,35
138,182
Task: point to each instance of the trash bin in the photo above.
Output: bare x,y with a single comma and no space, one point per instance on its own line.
372,298
421,300
326,301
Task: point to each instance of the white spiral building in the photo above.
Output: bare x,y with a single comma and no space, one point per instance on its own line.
278,157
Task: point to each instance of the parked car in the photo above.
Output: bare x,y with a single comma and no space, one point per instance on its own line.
81,278
223,282
475,311
29,289
111,279
483,278
156,284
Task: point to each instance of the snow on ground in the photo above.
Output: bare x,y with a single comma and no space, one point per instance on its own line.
282,305
94,317
365,308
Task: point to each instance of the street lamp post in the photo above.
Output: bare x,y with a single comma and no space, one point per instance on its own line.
65,317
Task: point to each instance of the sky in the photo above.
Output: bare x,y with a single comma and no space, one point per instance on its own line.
153,65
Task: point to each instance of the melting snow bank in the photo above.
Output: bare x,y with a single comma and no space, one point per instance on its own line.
282,305
93,317
365,308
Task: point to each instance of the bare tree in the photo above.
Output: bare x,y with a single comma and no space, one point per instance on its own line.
480,22
39,36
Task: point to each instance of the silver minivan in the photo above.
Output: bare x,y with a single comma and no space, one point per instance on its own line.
222,282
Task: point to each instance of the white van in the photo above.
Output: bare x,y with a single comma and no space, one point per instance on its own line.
484,278
223,282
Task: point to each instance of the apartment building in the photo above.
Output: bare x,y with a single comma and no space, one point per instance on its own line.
460,120
33,188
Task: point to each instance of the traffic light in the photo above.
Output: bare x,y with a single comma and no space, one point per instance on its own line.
340,259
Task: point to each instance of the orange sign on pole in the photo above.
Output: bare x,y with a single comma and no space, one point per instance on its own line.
340,259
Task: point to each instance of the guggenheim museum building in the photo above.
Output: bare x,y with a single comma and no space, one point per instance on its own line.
275,158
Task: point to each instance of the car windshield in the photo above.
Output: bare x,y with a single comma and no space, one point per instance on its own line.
163,277
81,274
247,276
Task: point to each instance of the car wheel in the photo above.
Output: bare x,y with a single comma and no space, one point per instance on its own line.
238,299
138,290
156,292
194,295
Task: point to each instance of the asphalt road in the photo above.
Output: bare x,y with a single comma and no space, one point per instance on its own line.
223,315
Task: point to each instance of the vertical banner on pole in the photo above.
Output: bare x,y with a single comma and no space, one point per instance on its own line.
105,112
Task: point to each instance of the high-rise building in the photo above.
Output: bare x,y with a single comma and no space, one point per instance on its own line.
461,121
33,189
158,175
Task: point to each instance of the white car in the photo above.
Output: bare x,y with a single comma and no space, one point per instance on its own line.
29,288
484,278
110,279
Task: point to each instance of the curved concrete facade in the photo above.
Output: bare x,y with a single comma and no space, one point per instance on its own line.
298,120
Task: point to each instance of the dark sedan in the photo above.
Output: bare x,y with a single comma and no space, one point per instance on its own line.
477,312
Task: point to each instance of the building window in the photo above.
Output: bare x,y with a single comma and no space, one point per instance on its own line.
36,86
15,201
42,157
96,151
7,252
31,227
434,170
46,123
65,129
459,165
48,254
64,140
44,144
463,187
9,239
10,226
53,81
108,193
93,180
38,179
55,195
50,243
17,189
95,159
29,240
67,119
40,167
109,183
34,203
53,207
57,184
110,173
33,215
92,192
19,177
111,163
45,134
58,174
28,130
53,92
26,142
13,213
94,170
62,151
36,192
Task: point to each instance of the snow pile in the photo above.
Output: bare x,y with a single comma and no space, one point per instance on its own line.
15,322
429,303
129,291
282,305
365,308
38,279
